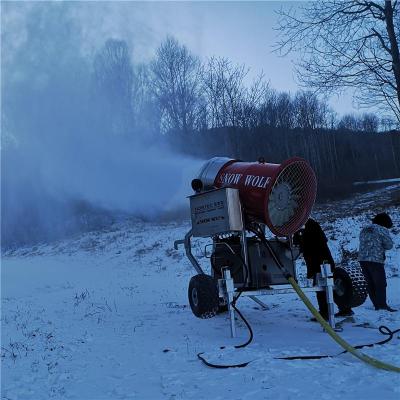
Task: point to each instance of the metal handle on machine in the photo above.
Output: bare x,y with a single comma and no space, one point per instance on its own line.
188,251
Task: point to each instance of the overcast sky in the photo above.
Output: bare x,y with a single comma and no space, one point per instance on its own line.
242,31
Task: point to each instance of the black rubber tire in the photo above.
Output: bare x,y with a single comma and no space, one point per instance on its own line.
350,287
203,296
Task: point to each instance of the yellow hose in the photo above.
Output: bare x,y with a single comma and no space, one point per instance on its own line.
369,360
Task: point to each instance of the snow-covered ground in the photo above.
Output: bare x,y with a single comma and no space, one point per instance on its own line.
106,316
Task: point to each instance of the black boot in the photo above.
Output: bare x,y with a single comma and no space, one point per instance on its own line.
387,308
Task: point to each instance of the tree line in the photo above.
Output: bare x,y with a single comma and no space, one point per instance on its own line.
176,92
213,108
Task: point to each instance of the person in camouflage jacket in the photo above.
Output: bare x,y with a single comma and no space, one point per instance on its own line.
375,240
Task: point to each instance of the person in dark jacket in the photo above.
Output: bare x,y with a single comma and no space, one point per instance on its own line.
313,244
375,240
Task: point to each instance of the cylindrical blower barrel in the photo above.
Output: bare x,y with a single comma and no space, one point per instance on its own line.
278,195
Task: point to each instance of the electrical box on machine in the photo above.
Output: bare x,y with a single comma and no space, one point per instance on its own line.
215,212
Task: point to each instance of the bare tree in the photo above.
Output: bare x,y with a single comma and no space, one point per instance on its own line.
146,108
225,93
349,122
285,111
113,72
347,43
268,110
254,98
369,123
311,112
176,77
387,124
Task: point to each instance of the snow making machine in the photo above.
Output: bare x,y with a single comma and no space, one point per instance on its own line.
233,204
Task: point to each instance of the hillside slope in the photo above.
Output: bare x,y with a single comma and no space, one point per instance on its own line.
105,316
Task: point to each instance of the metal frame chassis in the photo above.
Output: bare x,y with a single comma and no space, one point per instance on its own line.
228,292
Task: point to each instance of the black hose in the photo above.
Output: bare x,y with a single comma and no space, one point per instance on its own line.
250,339
233,304
382,329
239,346
221,366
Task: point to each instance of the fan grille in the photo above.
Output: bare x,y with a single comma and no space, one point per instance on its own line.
291,198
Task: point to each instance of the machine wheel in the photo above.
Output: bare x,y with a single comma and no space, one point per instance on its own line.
350,288
203,296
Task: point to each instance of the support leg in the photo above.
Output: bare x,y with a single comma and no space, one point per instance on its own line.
259,302
328,278
230,290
